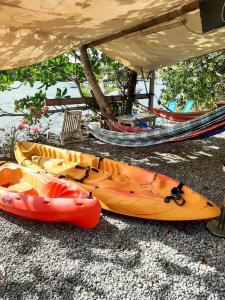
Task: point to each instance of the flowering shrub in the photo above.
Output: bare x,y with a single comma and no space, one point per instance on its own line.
31,127
36,130
8,145
32,107
20,132
33,133
22,124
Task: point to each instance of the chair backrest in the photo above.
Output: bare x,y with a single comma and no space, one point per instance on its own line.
72,121
188,106
172,105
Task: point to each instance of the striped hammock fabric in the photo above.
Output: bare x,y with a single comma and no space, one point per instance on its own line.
203,126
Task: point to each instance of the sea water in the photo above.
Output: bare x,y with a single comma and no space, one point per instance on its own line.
7,99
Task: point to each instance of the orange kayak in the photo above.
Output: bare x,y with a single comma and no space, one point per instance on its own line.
30,194
119,187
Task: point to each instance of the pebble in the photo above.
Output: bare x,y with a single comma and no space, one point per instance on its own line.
2,272
122,258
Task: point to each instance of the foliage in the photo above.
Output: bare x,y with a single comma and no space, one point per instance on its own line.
66,67
48,73
111,76
32,107
61,94
114,75
9,142
201,79
23,130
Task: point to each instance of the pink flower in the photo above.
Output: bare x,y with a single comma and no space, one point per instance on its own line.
22,126
44,110
36,130
23,121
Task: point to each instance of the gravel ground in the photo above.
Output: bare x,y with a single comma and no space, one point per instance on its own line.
123,258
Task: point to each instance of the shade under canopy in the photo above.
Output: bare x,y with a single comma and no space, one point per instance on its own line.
32,31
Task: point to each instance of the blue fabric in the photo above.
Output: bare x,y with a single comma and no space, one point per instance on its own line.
142,123
212,133
188,106
172,105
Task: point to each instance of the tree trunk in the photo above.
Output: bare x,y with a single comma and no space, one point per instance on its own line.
79,87
131,90
99,96
75,75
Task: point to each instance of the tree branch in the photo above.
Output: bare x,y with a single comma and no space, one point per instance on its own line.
14,88
76,55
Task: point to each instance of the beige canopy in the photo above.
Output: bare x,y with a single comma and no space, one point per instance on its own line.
140,33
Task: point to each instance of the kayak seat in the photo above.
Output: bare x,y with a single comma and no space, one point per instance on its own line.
71,170
10,176
25,188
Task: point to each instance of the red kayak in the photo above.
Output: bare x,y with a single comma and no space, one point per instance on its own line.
33,195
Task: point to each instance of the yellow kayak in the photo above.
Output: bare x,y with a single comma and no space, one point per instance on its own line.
119,187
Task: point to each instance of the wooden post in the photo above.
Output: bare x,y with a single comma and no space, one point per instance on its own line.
131,90
151,88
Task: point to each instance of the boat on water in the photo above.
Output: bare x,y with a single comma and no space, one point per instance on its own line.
38,196
119,187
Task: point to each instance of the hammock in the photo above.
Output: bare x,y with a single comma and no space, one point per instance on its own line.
127,129
209,123
176,116
206,132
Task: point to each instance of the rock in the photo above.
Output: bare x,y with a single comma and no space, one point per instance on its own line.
2,272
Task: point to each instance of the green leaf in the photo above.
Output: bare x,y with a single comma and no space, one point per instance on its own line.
58,93
64,92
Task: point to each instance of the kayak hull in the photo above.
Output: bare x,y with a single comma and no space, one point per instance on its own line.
120,188
41,197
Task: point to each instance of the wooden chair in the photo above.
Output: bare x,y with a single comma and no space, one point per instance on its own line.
71,128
